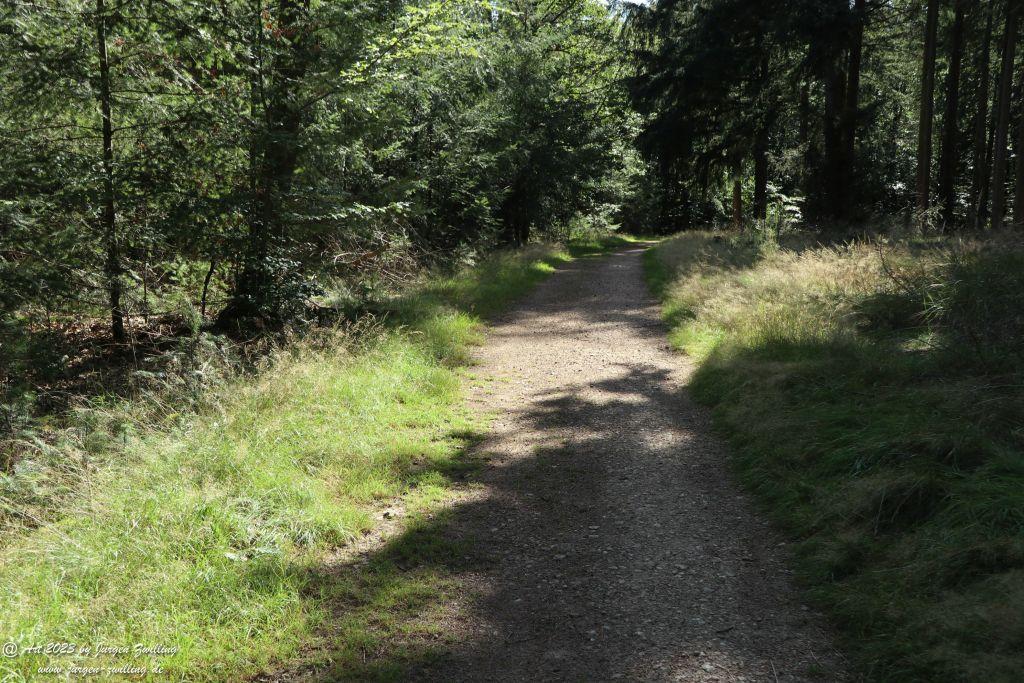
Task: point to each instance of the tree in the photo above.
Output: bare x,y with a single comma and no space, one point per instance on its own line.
1018,197
109,220
851,112
737,200
236,155
1002,123
711,99
927,106
83,146
553,141
950,123
763,125
980,177
293,42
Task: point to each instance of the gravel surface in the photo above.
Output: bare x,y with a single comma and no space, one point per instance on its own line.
611,541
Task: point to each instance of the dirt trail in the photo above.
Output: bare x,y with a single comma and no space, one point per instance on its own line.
614,544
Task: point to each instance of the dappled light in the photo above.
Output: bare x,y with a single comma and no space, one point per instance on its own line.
512,340
603,538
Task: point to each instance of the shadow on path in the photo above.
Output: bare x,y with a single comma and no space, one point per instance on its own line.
603,538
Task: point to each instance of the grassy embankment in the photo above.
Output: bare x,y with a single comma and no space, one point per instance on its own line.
208,534
874,397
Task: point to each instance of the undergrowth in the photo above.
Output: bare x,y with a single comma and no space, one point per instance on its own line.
204,527
874,394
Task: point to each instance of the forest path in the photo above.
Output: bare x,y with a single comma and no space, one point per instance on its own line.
614,544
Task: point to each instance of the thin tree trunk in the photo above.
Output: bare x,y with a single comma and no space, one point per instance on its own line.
895,133
761,175
1018,195
999,148
761,142
987,185
947,159
851,107
834,99
980,179
1019,167
109,217
513,213
206,287
924,134
805,112
145,289
737,199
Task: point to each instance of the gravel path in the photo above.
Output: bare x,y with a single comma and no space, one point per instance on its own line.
613,543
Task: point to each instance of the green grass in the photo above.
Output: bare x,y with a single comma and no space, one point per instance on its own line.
873,395
214,536
599,245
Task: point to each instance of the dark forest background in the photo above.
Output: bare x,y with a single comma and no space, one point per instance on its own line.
233,162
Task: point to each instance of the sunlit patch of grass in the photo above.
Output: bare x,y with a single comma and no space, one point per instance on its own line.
597,246
212,534
200,539
873,394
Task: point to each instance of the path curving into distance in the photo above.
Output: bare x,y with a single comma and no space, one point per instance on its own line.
612,543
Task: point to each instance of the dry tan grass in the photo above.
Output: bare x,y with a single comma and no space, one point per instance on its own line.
873,393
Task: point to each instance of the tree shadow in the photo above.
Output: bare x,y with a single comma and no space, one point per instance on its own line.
544,567
604,540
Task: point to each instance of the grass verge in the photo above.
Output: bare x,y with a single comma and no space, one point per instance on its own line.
873,395
208,539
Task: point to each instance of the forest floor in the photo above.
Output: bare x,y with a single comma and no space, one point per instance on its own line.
606,538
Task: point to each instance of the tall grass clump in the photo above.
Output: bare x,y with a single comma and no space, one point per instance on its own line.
203,533
874,394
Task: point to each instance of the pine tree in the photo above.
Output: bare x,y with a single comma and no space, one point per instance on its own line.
980,178
1002,114
950,133
927,107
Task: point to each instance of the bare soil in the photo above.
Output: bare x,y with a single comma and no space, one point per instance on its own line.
610,540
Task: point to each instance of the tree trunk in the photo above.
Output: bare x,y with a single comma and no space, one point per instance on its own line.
947,159
275,159
924,133
851,106
206,287
737,200
514,216
109,216
761,141
987,185
805,113
761,175
980,178
893,143
999,148
1018,195
832,128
